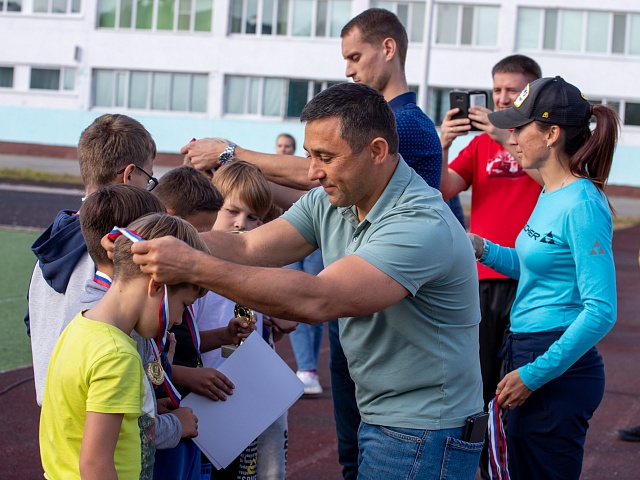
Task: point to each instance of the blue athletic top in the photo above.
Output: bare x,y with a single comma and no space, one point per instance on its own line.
564,263
419,141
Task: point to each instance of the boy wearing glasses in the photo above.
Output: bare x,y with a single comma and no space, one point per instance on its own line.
113,149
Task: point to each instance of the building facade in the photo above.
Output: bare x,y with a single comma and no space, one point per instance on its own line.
244,69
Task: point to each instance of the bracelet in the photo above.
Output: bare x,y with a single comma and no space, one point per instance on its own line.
485,251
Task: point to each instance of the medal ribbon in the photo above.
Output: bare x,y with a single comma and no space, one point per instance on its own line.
498,464
163,320
102,279
172,391
130,234
189,318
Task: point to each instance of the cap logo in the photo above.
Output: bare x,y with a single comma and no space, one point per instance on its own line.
522,97
545,115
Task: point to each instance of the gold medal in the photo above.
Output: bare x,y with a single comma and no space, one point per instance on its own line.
155,373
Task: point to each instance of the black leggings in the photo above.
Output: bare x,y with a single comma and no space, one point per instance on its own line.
545,435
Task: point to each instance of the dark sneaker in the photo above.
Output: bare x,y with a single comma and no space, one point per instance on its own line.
631,434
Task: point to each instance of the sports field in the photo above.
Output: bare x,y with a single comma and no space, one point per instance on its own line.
15,271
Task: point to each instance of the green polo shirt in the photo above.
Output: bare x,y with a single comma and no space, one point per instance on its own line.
415,364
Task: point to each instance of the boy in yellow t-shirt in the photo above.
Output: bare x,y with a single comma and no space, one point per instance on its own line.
94,389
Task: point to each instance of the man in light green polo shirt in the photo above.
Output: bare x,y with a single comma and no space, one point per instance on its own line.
400,274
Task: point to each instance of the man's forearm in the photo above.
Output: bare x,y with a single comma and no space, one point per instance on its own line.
279,292
287,170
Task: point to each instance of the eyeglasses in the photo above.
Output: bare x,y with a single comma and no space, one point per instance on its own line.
153,181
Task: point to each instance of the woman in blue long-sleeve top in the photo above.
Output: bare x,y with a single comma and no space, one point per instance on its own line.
566,298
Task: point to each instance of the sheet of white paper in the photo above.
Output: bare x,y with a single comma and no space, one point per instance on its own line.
265,388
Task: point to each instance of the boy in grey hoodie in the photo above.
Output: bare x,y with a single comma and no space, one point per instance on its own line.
113,149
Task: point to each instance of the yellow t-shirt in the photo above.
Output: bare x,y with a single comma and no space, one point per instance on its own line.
94,367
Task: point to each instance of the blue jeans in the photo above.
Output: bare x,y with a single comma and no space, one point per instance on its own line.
306,339
345,408
406,453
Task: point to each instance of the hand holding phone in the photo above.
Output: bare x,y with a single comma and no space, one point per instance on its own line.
464,100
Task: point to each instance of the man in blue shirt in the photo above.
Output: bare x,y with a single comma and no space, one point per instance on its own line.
400,275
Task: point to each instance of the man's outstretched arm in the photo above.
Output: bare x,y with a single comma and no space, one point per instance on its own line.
279,292
287,170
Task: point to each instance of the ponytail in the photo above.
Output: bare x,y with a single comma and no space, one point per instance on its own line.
591,153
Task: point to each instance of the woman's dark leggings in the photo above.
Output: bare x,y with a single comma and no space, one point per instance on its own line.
546,434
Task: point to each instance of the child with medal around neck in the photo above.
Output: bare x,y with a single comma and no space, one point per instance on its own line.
94,391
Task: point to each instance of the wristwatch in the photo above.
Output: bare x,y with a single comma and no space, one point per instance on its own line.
227,155
485,251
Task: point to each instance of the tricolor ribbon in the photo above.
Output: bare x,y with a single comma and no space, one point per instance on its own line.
498,460
102,279
188,317
163,320
169,388
130,234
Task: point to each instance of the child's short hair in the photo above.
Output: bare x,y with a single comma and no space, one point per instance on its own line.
248,181
109,144
273,213
118,204
186,191
153,225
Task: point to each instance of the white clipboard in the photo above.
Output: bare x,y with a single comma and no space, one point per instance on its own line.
265,388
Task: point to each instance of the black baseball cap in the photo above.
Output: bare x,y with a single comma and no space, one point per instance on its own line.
549,100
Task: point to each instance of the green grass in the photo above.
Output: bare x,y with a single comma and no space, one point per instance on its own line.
38,176
16,267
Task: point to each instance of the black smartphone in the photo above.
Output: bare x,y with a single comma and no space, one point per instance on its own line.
464,100
476,427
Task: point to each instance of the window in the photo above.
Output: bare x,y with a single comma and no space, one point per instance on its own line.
582,31
474,25
298,18
52,79
6,77
269,97
56,6
166,91
10,6
159,15
632,113
438,102
411,14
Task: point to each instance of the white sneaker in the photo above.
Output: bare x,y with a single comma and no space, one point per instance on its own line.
311,383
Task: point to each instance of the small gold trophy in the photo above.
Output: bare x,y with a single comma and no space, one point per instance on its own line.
238,312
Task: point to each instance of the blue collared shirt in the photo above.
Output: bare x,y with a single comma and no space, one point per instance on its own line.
419,142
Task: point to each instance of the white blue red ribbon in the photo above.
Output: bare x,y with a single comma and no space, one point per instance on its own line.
163,320
102,278
130,234
169,388
189,318
498,460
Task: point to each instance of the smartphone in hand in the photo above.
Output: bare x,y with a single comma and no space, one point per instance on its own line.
464,100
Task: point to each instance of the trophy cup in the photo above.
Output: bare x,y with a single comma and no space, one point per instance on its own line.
238,312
